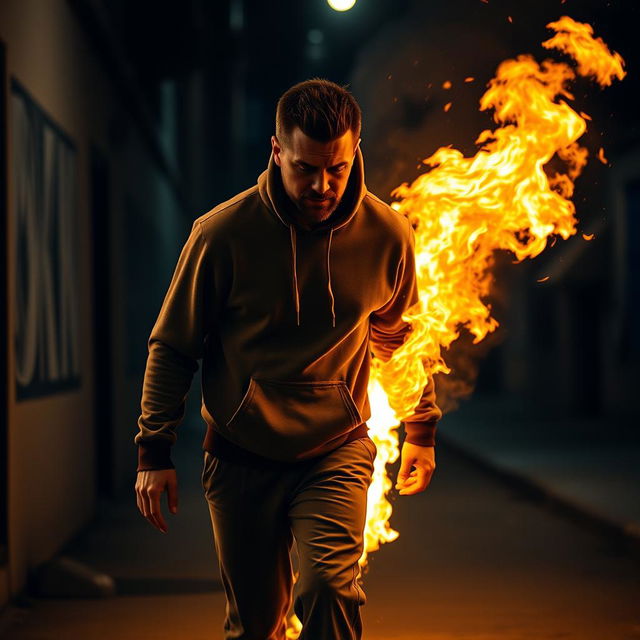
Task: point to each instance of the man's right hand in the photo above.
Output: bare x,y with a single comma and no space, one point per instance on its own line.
150,486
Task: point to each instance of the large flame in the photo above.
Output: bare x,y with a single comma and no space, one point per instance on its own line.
465,209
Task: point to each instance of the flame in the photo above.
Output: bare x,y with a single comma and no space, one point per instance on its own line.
591,54
601,156
463,210
294,628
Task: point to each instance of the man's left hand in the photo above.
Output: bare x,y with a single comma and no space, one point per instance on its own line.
424,461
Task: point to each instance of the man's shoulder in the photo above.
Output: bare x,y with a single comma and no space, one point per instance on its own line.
224,215
385,215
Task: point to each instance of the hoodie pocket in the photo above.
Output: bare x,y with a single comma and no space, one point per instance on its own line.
290,420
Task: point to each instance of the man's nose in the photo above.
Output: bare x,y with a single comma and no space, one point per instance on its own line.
321,182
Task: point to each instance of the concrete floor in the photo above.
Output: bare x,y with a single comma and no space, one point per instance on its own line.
475,559
591,463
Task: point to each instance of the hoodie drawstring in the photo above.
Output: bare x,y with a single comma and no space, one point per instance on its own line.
333,313
292,236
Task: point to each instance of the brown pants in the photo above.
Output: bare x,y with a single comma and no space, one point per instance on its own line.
256,513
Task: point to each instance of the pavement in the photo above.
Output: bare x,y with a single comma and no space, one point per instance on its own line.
590,467
481,555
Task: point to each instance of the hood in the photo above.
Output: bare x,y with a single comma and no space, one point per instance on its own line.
275,197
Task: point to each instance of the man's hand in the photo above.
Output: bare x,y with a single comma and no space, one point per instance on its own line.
149,487
423,458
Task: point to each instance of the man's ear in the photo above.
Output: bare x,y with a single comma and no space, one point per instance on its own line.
356,147
276,149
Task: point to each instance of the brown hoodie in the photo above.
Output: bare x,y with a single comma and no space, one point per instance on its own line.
284,319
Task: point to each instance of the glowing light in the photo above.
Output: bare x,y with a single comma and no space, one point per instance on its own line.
341,5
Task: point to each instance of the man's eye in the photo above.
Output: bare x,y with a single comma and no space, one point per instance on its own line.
339,169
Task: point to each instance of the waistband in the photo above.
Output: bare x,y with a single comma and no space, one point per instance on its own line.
219,446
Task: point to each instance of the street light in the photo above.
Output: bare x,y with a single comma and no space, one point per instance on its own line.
341,5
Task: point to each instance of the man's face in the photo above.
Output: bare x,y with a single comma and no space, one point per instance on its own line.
315,174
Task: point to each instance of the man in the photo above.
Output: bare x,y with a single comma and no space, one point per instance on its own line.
282,291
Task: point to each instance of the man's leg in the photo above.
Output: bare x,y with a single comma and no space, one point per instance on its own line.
328,513
253,540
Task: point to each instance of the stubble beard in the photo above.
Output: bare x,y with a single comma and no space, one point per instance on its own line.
316,215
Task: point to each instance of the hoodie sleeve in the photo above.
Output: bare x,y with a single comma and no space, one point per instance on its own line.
175,345
389,331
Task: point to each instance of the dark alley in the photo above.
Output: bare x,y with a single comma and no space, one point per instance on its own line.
355,284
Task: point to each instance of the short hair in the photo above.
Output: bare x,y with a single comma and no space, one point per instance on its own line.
322,109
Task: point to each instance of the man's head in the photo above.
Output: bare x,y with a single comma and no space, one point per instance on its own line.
317,134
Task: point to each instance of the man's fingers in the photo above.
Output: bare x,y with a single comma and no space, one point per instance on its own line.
414,487
156,513
410,480
148,511
402,481
405,469
415,484
411,491
150,485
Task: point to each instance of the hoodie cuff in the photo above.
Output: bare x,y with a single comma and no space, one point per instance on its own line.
154,456
422,434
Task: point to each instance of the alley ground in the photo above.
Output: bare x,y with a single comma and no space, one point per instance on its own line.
476,559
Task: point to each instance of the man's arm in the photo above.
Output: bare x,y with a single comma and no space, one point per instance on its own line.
389,331
176,343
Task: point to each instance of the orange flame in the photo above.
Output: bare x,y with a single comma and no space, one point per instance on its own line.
601,156
465,209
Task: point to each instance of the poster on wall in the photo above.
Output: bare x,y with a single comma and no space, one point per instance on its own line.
45,246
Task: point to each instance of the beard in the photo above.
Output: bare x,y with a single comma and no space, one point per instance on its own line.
317,209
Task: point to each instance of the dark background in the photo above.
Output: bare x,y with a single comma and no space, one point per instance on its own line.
388,53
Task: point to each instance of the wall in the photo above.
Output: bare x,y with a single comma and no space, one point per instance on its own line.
52,448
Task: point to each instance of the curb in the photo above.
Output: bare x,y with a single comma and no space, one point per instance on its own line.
624,536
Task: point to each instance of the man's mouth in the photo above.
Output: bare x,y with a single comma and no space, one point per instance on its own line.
318,201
